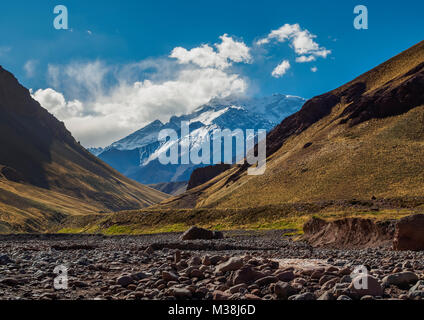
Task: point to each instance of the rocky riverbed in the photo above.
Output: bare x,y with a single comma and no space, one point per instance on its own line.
243,265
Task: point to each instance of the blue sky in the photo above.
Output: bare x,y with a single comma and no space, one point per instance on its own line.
112,42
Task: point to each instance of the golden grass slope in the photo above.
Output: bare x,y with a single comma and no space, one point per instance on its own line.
349,153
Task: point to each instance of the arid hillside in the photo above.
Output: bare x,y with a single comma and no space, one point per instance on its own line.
362,141
45,175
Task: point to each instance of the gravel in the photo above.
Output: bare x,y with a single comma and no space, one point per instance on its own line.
243,265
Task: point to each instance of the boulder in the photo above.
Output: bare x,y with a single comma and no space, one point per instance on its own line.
169,276
283,290
285,276
195,233
401,279
124,281
409,234
266,281
220,295
246,274
366,285
182,293
231,265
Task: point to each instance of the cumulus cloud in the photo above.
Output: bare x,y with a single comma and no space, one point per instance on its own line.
56,103
281,69
106,103
303,59
205,56
314,69
301,40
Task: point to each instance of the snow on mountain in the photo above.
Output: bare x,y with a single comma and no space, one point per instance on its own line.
137,154
96,151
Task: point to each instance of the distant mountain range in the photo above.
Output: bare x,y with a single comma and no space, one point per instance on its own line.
136,155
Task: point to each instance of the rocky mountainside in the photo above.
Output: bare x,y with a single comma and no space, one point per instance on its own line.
172,188
363,140
137,155
46,175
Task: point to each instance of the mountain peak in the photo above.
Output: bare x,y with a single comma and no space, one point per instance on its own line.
137,154
361,141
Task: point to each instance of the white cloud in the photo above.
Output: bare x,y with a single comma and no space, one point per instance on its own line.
302,41
303,59
81,79
281,69
282,34
205,56
30,68
107,103
55,102
314,69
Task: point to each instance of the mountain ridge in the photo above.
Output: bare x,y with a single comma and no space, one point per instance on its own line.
137,155
40,160
361,140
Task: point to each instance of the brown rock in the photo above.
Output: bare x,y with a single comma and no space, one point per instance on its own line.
348,233
246,275
124,281
195,261
266,280
409,234
283,290
250,296
195,233
214,260
285,276
182,293
236,288
206,261
324,279
231,265
401,279
196,273
366,285
169,276
220,295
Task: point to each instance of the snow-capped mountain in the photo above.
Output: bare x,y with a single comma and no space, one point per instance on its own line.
96,151
137,155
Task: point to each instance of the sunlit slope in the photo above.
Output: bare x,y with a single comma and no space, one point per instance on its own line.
362,140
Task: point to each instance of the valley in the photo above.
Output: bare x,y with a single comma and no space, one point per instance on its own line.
244,266
343,190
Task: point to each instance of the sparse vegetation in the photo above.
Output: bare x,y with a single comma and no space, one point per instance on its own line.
284,217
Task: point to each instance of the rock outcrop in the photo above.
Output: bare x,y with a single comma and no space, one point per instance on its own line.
195,233
349,233
205,174
409,234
